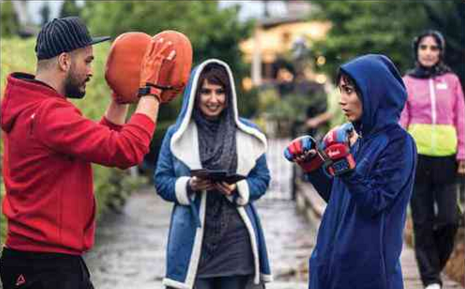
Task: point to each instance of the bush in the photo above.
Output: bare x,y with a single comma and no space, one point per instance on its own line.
109,184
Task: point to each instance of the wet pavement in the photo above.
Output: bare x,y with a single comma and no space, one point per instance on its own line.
130,246
290,240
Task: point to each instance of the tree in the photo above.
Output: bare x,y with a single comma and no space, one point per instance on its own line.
449,18
213,32
10,24
388,27
70,8
45,13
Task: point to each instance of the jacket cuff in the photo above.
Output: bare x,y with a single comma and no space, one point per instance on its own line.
116,127
244,193
266,277
143,121
182,196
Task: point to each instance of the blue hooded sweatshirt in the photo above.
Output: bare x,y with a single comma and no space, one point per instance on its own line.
179,155
360,237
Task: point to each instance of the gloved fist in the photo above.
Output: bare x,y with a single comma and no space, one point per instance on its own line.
304,152
336,148
156,68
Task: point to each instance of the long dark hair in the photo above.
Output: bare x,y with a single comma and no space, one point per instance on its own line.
440,67
440,41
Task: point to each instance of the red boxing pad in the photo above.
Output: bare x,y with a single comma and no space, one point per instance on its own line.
182,63
123,66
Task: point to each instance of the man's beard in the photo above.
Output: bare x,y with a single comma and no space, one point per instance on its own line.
72,87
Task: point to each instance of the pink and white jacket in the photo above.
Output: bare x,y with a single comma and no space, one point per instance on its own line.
434,115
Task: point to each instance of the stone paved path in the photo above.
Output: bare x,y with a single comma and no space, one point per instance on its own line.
129,251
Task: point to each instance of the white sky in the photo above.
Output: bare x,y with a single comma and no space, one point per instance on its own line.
252,9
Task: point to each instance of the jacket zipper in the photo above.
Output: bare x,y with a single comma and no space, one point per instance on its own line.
432,93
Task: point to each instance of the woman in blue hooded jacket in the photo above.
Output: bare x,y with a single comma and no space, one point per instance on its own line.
365,172
215,238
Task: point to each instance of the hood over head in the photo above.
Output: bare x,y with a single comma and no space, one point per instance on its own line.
21,94
382,90
185,118
188,103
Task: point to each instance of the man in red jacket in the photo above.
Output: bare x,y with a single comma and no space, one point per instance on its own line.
49,147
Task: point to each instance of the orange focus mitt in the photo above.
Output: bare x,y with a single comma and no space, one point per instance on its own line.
123,65
127,65
181,70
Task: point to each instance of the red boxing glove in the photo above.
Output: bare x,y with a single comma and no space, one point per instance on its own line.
304,152
337,150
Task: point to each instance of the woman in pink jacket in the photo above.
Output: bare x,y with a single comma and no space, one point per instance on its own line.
435,116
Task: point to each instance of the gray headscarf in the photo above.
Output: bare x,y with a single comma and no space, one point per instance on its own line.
217,148
217,139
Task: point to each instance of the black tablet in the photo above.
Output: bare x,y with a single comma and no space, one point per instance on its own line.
217,175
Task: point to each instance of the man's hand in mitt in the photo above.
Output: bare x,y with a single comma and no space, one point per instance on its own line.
156,67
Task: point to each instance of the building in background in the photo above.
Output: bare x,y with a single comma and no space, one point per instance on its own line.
276,38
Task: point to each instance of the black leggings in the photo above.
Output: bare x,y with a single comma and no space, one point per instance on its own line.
435,215
232,282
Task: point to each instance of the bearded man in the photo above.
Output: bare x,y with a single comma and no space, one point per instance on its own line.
49,147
